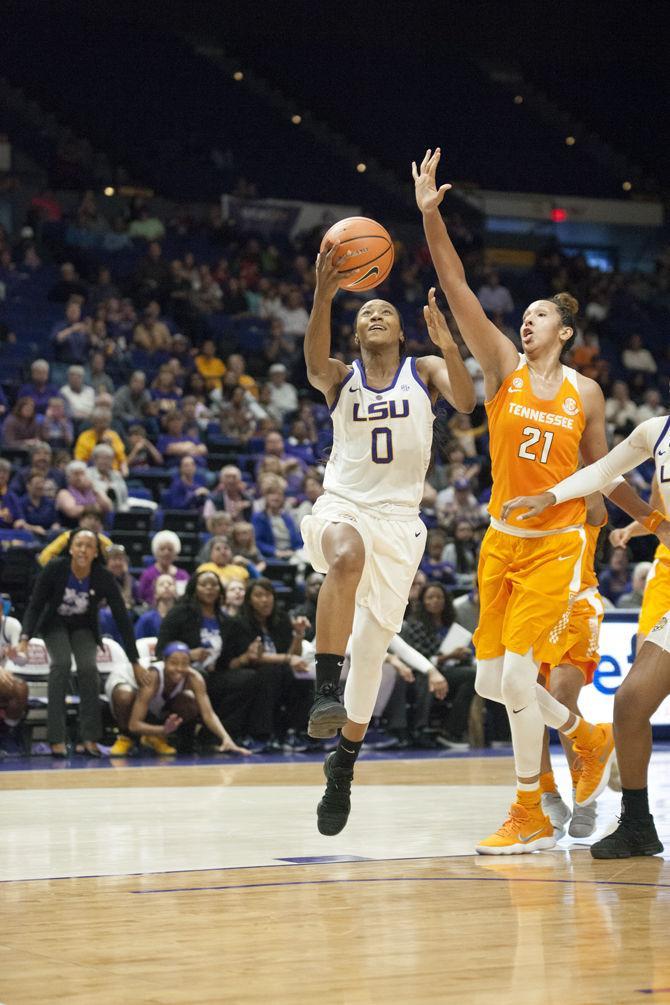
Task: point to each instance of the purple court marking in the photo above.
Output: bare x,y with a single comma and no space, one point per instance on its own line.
325,859
406,879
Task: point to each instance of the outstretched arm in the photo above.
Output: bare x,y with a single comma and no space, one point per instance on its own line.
449,375
323,372
494,352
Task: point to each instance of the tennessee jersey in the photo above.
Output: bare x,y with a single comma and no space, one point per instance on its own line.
534,442
382,439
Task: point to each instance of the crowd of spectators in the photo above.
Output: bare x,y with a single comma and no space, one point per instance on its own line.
176,388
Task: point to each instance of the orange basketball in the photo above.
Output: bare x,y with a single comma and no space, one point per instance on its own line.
371,250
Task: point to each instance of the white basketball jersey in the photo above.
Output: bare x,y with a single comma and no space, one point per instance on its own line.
382,440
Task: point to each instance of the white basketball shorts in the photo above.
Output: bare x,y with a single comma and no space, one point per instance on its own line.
394,548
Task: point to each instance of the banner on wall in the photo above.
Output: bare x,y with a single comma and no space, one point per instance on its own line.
617,652
281,216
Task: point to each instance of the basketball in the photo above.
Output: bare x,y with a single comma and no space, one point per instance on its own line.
371,250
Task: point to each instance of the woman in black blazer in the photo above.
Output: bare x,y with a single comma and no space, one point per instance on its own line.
63,610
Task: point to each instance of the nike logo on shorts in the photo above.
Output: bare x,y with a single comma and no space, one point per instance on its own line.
418,534
563,558
515,711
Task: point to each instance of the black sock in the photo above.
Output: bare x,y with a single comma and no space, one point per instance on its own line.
635,803
328,669
346,753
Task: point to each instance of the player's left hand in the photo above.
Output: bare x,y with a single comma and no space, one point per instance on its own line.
534,505
436,322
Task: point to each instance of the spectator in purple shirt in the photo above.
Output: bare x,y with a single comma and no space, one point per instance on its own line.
10,507
165,546
188,490
39,388
38,510
175,443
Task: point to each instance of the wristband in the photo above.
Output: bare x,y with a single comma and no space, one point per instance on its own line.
652,521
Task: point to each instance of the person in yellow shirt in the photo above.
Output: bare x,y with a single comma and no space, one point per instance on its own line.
222,564
90,519
210,366
101,432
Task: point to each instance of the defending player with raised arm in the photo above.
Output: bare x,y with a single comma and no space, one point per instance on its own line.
648,682
543,417
365,532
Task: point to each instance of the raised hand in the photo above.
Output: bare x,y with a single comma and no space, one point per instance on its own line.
428,195
436,322
533,504
327,275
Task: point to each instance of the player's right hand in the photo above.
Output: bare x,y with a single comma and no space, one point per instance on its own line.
327,275
172,723
428,195
534,505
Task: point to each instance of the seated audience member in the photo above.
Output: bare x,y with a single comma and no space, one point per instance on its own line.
462,553
132,402
293,468
236,415
152,335
174,693
21,429
210,366
220,561
13,690
634,599
175,443
78,493
78,396
236,366
101,432
281,700
117,563
425,629
38,510
11,513
149,622
620,409
307,609
96,374
71,338
38,388
458,500
283,395
242,539
70,288
229,494
165,393
637,359
276,534
142,454
90,519
220,523
615,579
40,462
55,427
312,488
652,405
105,479
200,618
165,546
188,489
235,589
432,563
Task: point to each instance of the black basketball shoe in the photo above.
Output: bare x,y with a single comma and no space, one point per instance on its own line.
631,838
327,714
332,812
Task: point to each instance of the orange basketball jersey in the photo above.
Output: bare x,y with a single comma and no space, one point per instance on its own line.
534,444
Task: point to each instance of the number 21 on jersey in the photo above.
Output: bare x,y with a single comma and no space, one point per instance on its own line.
529,448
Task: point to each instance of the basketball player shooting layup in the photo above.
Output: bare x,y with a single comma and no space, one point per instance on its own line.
365,532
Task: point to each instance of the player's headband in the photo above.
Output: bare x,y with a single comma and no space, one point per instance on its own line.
176,647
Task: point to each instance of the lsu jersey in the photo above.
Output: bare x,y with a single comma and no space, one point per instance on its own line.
382,441
534,443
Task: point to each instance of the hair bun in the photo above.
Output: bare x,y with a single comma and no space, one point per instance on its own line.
568,301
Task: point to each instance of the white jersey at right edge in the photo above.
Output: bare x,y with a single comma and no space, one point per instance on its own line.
382,441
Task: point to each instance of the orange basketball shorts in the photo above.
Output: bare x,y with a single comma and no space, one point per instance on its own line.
586,617
656,598
527,586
